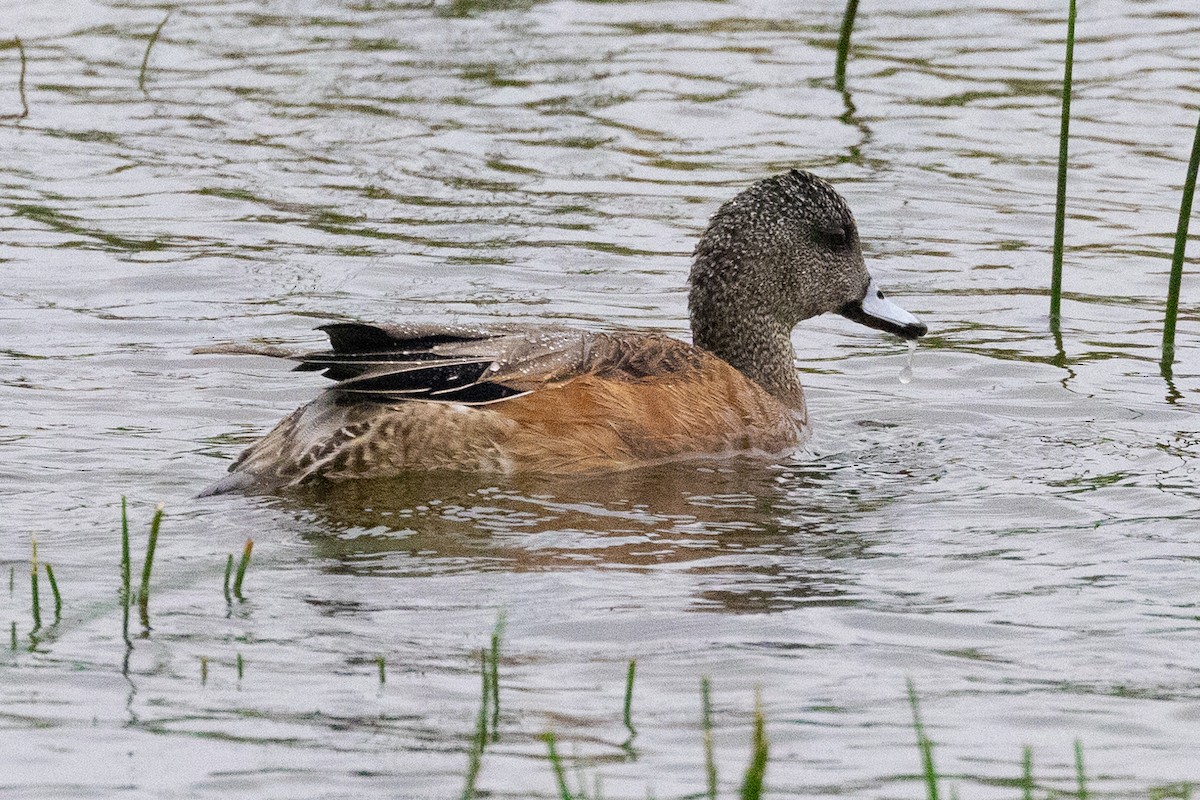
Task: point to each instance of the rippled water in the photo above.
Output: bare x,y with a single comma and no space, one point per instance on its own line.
1015,529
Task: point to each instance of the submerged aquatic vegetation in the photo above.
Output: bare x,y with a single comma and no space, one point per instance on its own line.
628,715
33,589
55,592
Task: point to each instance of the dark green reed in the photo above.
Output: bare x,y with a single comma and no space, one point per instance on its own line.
1060,212
381,663
228,576
126,572
629,676
843,51
710,761
20,82
55,592
14,635
560,774
1080,778
924,744
33,589
752,783
146,57
144,589
1181,235
1027,773
241,570
479,740
241,666
203,670
494,675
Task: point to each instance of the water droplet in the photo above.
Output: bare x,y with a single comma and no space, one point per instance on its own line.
906,373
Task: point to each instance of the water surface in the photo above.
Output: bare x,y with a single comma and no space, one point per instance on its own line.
1014,530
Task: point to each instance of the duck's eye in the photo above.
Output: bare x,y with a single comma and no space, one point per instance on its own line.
834,238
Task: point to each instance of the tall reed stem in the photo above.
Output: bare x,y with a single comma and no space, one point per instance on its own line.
1060,213
1181,235
843,52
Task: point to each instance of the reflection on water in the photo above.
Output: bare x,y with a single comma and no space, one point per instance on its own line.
725,521
1014,529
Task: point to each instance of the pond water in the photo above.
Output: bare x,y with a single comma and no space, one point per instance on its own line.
1014,530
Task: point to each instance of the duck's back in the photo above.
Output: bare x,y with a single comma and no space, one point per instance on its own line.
509,399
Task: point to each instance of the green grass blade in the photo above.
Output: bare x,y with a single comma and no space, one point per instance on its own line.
843,51
752,783
54,591
33,589
20,81
479,740
241,570
630,674
710,761
1060,212
1181,235
1080,777
1027,773
144,589
126,577
494,680
925,744
381,662
241,667
203,670
146,57
14,635
228,575
560,774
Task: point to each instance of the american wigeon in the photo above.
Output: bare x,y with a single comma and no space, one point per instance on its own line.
554,399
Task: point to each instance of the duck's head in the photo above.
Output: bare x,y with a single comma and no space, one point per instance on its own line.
782,251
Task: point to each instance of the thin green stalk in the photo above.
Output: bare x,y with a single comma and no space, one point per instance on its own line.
228,575
629,676
20,82
54,591
1027,773
1181,235
479,740
33,588
14,635
560,774
1080,777
241,570
843,52
382,664
925,745
203,670
144,590
710,762
126,577
752,783
494,680
12,577
146,57
1060,213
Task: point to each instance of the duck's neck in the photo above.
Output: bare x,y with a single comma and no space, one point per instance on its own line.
756,344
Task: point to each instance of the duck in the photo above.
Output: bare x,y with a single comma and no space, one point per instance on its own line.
560,400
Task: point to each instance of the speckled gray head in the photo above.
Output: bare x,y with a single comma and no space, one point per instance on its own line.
782,251
787,249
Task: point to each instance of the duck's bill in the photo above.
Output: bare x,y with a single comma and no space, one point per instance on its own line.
876,311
